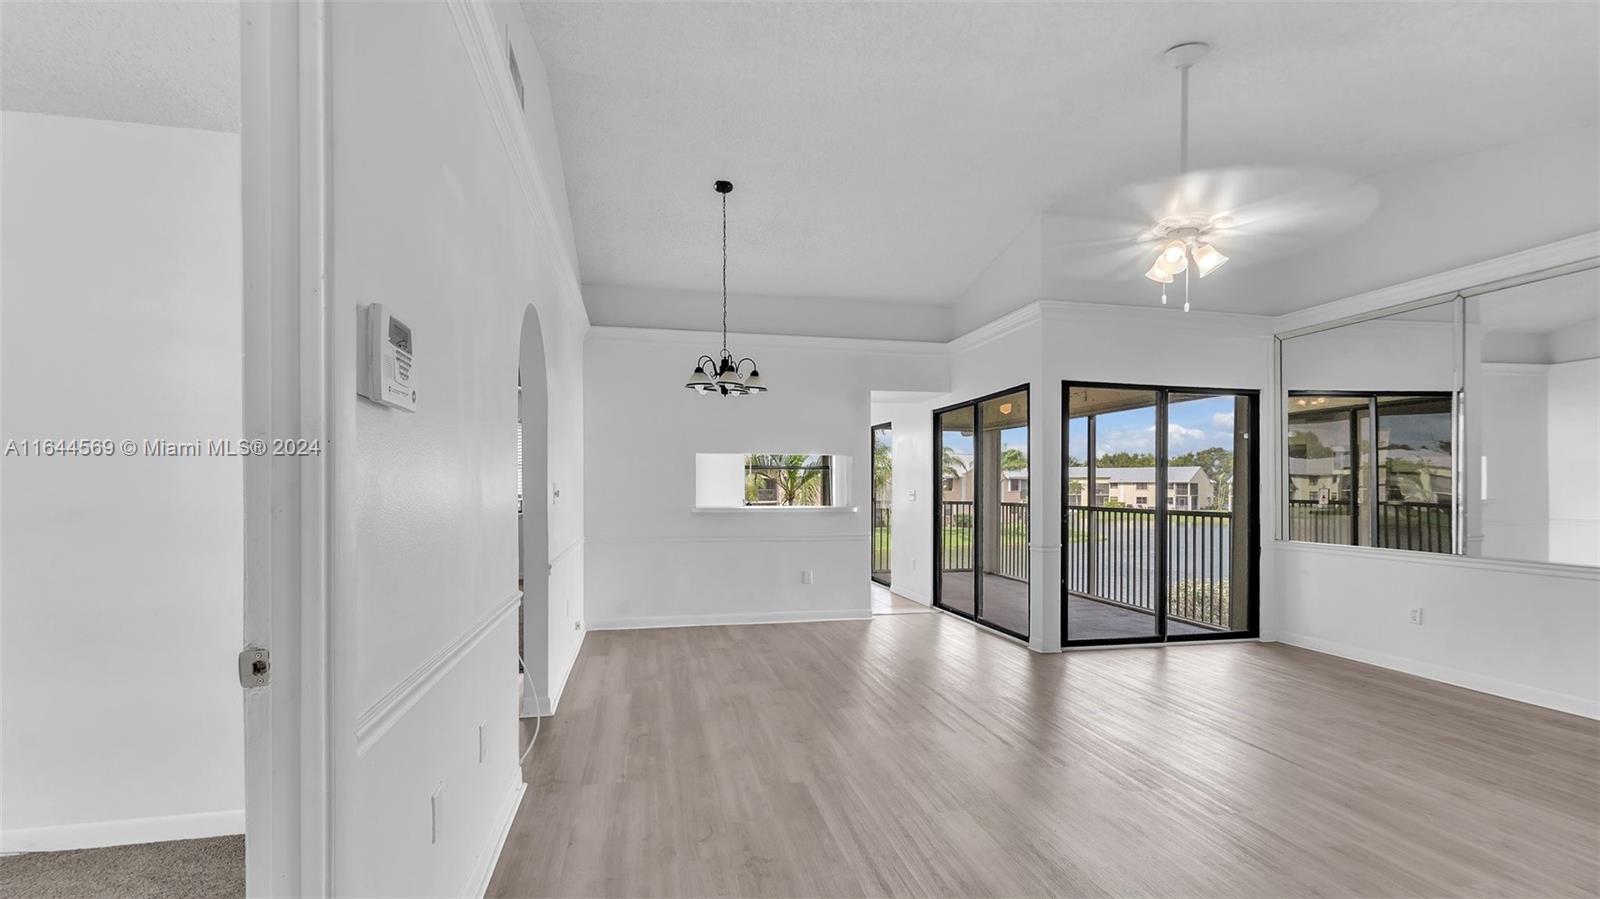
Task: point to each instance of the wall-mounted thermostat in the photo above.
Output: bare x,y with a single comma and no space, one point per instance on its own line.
388,366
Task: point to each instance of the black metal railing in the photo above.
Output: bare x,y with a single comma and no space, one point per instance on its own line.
1413,525
1013,548
1319,522
1420,526
956,535
880,538
1111,554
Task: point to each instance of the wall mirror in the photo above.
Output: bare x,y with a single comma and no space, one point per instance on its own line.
1465,425
1531,382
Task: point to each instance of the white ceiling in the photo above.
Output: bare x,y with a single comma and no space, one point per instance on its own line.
158,63
891,151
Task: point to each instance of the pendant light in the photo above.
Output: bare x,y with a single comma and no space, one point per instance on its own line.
723,376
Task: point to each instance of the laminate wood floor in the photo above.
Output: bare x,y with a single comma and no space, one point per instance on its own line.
916,755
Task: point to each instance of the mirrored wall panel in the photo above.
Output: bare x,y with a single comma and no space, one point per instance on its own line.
1467,426
1531,387
1369,432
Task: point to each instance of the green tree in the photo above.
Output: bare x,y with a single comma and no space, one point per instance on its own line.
1013,459
1122,459
882,468
797,478
953,465
1217,463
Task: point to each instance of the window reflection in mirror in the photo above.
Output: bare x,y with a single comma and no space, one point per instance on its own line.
1532,392
1369,432
1382,449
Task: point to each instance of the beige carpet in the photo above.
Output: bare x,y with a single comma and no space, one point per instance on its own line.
182,869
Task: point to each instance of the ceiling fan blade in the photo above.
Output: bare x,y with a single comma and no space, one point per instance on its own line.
1093,248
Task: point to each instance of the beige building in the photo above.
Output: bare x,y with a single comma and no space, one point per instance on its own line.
1188,487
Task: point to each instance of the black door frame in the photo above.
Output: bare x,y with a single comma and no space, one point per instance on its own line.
977,504
873,521
1163,393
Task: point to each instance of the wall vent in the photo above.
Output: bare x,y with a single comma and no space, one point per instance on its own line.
516,73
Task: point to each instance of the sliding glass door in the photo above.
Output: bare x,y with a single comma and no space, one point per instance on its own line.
1158,513
882,494
981,516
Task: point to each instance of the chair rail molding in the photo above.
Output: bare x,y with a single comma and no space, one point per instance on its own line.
382,715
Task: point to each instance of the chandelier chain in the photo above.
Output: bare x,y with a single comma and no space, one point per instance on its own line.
724,274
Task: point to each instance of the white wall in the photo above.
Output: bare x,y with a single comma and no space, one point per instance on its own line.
911,503
652,559
1573,414
1507,628
121,599
445,208
645,307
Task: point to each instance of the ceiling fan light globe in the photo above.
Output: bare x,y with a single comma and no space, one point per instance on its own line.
1173,260
1207,259
1157,275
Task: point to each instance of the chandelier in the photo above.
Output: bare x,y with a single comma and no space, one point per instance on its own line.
723,375
1183,238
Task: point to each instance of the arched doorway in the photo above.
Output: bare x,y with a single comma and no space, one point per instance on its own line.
533,516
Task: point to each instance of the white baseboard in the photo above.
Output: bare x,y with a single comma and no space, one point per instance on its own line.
124,832
1550,699
728,618
478,882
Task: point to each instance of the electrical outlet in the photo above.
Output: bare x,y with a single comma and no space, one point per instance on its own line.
805,576
1416,616
483,742
435,813
577,625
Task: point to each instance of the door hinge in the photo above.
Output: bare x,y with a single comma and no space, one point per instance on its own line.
255,666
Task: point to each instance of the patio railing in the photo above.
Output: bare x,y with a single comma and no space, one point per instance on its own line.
1111,555
1401,525
956,533
880,538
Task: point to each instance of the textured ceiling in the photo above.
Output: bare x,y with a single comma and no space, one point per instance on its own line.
158,63
893,150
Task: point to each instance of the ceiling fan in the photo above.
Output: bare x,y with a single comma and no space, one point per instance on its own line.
1195,221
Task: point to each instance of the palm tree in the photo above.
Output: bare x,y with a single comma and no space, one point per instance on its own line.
882,466
1013,459
797,478
954,465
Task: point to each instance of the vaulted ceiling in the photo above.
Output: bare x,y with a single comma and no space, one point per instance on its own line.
892,151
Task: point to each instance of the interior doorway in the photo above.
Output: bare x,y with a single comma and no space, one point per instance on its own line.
533,518
1159,522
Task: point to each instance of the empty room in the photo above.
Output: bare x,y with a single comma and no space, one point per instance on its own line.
927,449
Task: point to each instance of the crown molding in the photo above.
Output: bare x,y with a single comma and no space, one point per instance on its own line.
1583,247
1010,323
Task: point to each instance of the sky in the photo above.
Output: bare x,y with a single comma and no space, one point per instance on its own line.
1191,425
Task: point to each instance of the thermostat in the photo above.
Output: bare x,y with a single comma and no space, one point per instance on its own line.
388,364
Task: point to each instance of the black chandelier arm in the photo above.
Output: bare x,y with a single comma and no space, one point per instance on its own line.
739,366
